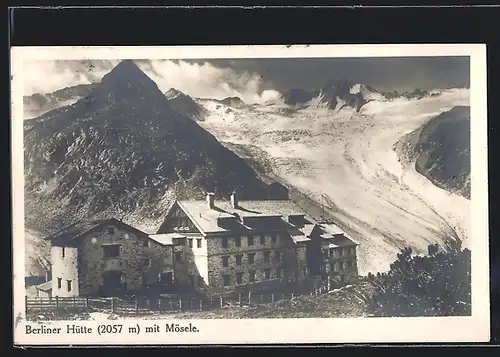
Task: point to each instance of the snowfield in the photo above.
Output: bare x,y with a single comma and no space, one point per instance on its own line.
349,157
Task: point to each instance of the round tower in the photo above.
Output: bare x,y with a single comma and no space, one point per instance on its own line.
64,271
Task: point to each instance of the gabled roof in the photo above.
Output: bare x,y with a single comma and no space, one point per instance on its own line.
78,229
47,286
207,221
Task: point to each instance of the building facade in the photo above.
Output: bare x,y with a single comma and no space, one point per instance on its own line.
248,245
107,258
206,246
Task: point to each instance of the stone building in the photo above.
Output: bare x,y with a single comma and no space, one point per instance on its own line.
209,246
108,257
246,244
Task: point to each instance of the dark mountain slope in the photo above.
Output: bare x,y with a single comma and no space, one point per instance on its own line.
441,150
123,146
185,105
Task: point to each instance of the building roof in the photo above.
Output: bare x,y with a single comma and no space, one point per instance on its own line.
165,238
76,230
207,219
47,286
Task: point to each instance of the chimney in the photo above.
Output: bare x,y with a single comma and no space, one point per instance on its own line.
210,200
234,200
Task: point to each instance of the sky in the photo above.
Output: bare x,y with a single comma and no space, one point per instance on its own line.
258,80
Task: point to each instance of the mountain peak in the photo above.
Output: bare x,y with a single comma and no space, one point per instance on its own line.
173,93
126,79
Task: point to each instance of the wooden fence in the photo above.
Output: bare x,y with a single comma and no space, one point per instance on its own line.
163,304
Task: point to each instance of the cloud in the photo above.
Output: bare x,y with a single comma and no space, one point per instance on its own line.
203,80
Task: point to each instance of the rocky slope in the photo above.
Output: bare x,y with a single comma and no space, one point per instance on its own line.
184,104
123,150
440,150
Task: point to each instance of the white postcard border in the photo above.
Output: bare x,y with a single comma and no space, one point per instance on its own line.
262,331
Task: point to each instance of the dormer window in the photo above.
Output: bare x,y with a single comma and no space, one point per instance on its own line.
110,230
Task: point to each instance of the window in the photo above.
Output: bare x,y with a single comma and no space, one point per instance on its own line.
349,263
237,241
225,242
341,252
353,250
227,279
146,262
69,285
145,243
110,230
277,254
238,259
178,256
198,242
266,256
251,276
63,252
332,254
278,273
273,239
225,261
250,240
332,266
111,251
59,283
262,240
267,273
191,279
190,242
239,278
251,258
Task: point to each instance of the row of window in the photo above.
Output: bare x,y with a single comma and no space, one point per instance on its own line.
68,284
250,258
252,277
340,252
340,266
250,240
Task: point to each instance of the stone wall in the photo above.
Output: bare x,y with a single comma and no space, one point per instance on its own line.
92,263
279,268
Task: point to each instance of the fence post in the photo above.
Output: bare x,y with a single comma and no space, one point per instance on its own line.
201,304
86,302
180,304
221,301
57,302
249,297
292,294
282,296
262,298
74,301
159,305
170,304
113,305
41,304
26,308
272,298
328,286
136,306
239,299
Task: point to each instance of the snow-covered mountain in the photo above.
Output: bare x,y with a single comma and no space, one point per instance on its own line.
338,94
337,141
348,155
